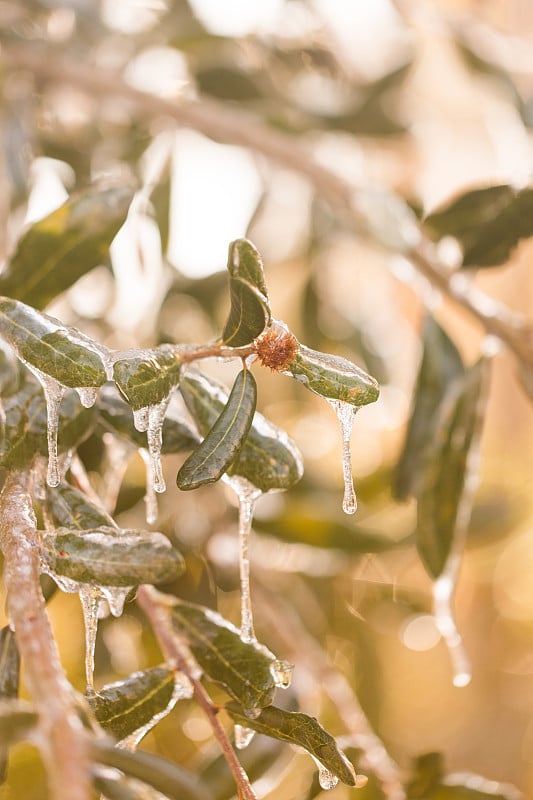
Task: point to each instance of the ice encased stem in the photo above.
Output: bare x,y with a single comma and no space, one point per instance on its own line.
346,414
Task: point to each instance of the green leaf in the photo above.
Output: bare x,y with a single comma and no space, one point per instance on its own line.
298,729
269,459
17,719
110,557
447,468
440,366
9,680
123,707
147,379
59,249
53,349
429,782
116,415
224,441
242,668
333,377
487,222
118,788
250,308
24,435
69,508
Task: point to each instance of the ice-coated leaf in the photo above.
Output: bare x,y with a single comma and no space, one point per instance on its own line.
116,415
269,459
127,705
9,680
333,377
110,557
440,366
10,371
53,349
242,668
488,222
147,379
443,482
208,462
24,435
57,250
250,308
299,729
17,719
69,508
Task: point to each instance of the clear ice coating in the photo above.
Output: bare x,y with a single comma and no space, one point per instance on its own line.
326,779
115,597
282,673
90,598
182,691
87,396
150,497
346,414
243,736
53,394
443,590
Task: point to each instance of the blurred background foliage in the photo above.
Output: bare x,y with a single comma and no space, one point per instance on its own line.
426,99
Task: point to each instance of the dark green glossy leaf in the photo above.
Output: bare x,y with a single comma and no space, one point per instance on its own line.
53,349
25,425
268,458
250,308
9,680
129,704
441,365
165,776
242,668
59,249
147,379
227,82
17,720
109,557
299,729
69,508
116,415
333,377
488,223
224,440
445,478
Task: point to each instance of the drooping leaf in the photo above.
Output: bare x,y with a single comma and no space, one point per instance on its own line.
208,462
333,377
116,415
147,379
298,729
56,251
69,508
250,308
17,719
445,478
440,366
488,223
9,680
47,345
110,557
127,705
24,435
242,668
269,459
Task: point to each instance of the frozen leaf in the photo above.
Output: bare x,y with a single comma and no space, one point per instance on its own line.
69,508
123,707
147,379
57,250
208,462
53,349
333,377
242,668
110,557
298,729
250,308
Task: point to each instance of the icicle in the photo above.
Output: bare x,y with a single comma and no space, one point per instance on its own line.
87,396
90,602
326,779
115,597
282,673
346,414
247,494
150,498
182,691
243,736
443,590
53,393
156,417
118,452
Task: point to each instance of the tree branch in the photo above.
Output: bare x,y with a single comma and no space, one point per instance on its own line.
62,738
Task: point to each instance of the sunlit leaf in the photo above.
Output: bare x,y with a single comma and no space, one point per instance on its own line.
69,508
298,729
127,705
147,379
333,377
46,344
110,557
59,249
242,668
223,442
250,307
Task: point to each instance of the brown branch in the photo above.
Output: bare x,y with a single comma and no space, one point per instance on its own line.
158,615
61,735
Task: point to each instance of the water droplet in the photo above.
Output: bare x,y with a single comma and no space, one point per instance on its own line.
282,673
116,597
53,394
90,602
252,713
346,414
443,590
326,779
87,396
243,736
360,781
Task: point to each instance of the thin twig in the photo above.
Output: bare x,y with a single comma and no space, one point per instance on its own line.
158,615
62,738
